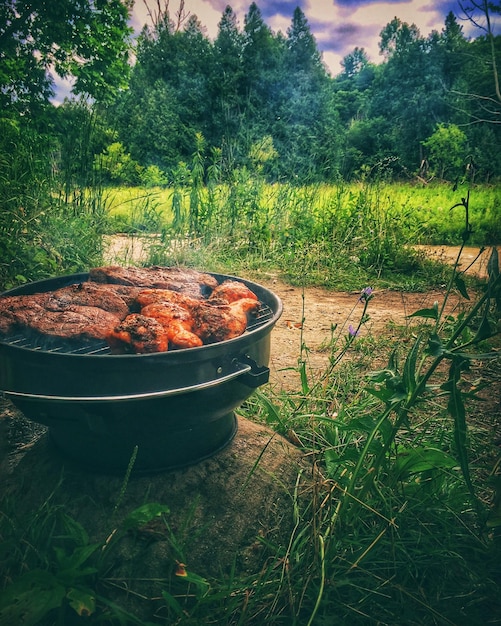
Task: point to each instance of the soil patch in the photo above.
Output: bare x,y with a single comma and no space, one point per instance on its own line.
313,316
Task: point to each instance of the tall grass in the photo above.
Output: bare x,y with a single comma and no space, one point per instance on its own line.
44,229
338,236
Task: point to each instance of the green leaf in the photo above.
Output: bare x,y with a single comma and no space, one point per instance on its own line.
435,347
427,313
493,265
417,460
77,558
409,373
455,406
75,530
82,601
484,330
172,603
461,286
30,598
304,378
272,410
144,514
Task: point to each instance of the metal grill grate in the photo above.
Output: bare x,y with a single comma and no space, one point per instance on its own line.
41,343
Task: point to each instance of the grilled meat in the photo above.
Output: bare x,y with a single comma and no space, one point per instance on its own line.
150,296
177,322
74,322
182,279
88,294
230,291
138,334
132,318
215,319
18,312
219,322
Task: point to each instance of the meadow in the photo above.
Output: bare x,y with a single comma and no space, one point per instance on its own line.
336,236
403,525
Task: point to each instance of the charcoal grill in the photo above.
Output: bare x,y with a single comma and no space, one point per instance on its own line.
167,410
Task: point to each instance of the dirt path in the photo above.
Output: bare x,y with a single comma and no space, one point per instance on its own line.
310,313
471,260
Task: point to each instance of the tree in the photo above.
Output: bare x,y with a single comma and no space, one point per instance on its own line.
354,63
86,39
260,56
407,91
168,100
479,13
447,149
226,85
302,52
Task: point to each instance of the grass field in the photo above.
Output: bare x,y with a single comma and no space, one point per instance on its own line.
425,212
335,236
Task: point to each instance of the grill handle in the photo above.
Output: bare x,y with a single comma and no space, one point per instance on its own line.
250,373
255,375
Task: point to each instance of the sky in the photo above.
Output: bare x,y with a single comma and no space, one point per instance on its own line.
337,25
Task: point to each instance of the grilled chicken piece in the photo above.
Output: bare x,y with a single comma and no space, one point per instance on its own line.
150,296
177,322
138,334
219,322
182,279
230,291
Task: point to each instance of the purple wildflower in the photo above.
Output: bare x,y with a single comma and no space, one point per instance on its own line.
353,332
366,293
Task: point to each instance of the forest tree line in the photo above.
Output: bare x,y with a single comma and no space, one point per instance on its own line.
251,99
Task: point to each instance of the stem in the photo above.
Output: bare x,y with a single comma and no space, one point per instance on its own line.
322,580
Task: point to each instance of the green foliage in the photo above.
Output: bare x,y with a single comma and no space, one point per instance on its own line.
83,39
43,232
250,85
51,569
447,148
116,166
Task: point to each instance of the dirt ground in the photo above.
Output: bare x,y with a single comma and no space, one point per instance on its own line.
310,314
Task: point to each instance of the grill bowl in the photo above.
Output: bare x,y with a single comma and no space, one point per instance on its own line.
177,407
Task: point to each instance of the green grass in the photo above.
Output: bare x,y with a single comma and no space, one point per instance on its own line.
335,236
422,213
